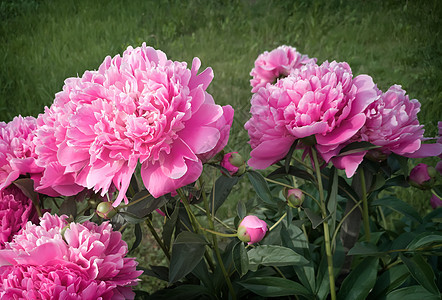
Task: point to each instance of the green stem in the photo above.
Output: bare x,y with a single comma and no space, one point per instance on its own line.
302,226
157,238
215,218
333,241
279,221
215,244
436,194
383,218
291,187
195,224
326,228
220,233
365,216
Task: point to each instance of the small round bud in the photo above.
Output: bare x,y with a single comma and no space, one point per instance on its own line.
105,210
422,176
295,198
234,163
236,159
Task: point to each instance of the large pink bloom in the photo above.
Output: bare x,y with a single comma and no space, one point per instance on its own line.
17,151
91,254
15,211
324,102
392,125
50,282
140,107
279,62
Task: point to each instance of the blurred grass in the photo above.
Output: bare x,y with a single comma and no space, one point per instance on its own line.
396,42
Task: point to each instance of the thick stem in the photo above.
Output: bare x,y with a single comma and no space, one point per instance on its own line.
326,228
365,216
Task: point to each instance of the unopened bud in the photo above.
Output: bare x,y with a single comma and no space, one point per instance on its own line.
234,163
422,176
295,198
105,210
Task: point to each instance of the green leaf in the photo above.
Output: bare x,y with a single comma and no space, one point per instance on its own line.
185,291
360,281
68,207
169,226
313,217
421,272
425,239
389,280
356,147
241,210
272,255
82,219
399,206
411,293
26,185
364,248
223,187
187,251
138,237
240,258
294,171
274,287
260,185
288,157
131,218
143,203
160,272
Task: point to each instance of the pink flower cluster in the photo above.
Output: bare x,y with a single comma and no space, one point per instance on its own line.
17,150
61,260
326,106
140,107
15,211
275,64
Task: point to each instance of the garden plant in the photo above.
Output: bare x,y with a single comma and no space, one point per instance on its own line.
136,149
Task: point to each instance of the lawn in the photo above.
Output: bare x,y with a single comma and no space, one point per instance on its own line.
396,42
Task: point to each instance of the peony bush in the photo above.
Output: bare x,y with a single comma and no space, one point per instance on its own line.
137,145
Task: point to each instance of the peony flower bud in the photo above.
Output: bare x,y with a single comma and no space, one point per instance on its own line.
295,198
435,201
234,163
252,230
422,176
105,210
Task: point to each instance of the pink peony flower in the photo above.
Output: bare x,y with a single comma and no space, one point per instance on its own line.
272,65
324,102
49,282
252,229
140,107
15,211
17,151
392,125
88,253
435,201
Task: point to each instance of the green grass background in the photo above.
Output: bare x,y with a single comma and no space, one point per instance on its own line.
396,42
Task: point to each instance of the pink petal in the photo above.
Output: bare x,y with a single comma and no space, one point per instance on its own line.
158,184
269,152
344,132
